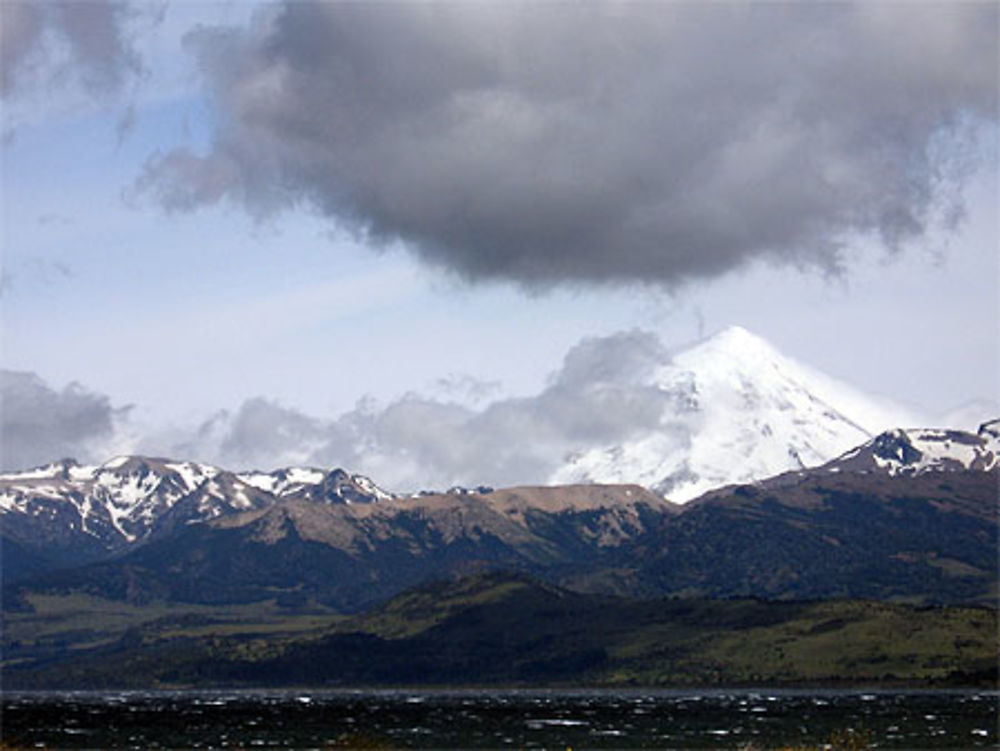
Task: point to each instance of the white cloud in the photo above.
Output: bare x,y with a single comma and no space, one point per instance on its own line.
41,424
601,394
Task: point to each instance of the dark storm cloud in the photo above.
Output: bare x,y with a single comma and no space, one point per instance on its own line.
547,143
40,424
43,40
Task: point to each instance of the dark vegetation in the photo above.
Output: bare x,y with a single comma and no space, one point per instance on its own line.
931,538
498,629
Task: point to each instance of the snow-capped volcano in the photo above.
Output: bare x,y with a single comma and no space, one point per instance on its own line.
738,411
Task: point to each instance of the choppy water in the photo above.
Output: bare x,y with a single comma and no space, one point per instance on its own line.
496,719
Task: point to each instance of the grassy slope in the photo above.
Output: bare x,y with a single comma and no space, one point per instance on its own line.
694,641
58,627
496,629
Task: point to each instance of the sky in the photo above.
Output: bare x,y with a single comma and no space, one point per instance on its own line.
271,233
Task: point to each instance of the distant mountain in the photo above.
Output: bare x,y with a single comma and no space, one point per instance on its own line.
741,412
347,555
65,513
909,514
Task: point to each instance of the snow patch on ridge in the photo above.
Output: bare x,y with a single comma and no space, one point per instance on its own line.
281,482
916,451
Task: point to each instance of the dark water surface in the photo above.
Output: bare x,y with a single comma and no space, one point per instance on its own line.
759,719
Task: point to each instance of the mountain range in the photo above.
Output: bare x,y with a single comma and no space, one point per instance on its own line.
97,510
909,514
789,482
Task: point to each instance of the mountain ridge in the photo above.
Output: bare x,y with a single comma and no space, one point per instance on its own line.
128,500
874,529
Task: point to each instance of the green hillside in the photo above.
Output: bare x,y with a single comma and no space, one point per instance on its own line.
500,629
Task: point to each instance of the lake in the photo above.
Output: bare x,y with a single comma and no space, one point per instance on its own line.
734,719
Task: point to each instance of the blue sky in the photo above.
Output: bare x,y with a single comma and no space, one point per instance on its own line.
182,312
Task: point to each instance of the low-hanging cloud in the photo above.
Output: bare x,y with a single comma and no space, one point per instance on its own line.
261,433
41,424
602,394
596,143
